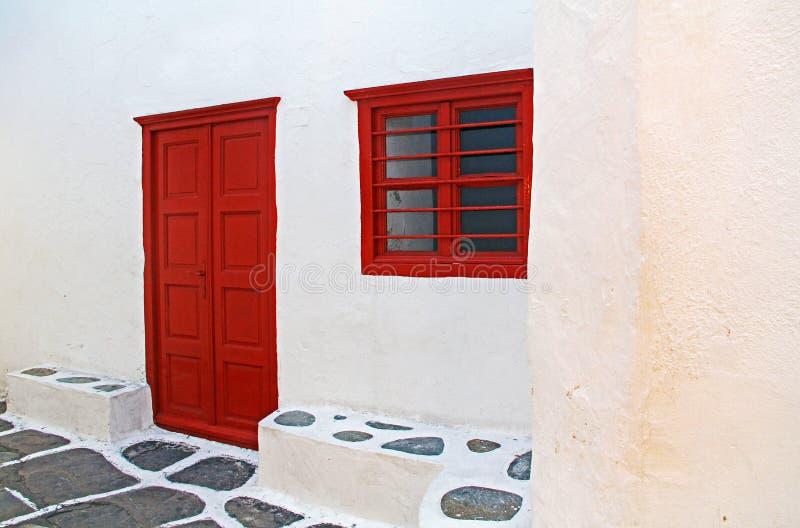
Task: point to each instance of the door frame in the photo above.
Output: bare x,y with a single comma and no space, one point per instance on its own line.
258,108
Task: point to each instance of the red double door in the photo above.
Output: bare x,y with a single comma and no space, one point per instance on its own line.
212,227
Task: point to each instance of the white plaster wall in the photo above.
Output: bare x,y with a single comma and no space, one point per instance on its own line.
70,222
665,359
585,242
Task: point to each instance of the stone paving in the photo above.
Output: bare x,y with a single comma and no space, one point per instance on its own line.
50,480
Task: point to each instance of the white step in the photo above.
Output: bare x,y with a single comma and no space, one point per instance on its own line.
367,479
86,404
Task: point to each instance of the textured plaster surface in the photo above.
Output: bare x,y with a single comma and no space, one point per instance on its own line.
72,285
666,212
717,369
585,241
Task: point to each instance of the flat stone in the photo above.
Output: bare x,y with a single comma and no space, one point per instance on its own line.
78,379
477,445
11,507
205,523
5,426
473,503
217,473
108,388
253,513
424,445
340,417
57,477
388,426
155,455
141,508
39,372
14,446
520,468
352,436
295,419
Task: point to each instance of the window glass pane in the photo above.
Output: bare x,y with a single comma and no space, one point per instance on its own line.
487,244
488,138
483,196
482,115
405,144
489,222
414,121
411,224
486,163
410,199
411,144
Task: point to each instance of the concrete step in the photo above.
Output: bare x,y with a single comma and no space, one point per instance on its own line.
87,404
395,471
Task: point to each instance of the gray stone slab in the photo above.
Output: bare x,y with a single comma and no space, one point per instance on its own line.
5,426
477,445
54,478
520,468
217,473
39,372
253,513
423,445
142,508
108,388
295,419
10,506
16,445
474,503
78,379
340,417
205,523
388,426
352,436
155,455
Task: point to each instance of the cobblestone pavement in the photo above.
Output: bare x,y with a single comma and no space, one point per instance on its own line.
50,479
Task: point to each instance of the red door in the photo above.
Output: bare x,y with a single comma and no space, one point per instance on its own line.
209,226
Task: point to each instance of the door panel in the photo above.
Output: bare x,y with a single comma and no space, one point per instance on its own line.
181,185
243,340
212,362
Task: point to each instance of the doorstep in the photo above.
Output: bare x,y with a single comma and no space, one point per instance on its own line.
87,404
395,471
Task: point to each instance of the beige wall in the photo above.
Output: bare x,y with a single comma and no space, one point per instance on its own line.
667,217
719,353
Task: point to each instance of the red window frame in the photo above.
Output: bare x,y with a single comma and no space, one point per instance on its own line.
444,98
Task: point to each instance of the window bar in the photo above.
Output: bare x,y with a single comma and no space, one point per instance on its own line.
454,208
446,127
432,182
441,154
460,235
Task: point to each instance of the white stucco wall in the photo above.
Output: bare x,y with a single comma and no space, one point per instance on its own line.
665,360
70,222
585,242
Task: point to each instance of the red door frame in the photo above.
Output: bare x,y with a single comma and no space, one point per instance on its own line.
259,108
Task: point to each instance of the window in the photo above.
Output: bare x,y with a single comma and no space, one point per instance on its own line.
446,176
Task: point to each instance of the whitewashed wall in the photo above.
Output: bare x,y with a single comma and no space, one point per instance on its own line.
70,221
667,217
